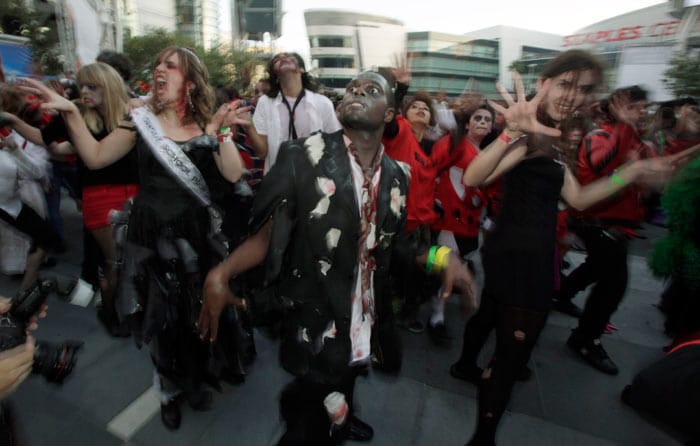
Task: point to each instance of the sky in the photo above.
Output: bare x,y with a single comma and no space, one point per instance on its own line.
460,16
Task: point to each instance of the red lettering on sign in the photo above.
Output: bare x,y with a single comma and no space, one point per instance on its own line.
671,28
627,33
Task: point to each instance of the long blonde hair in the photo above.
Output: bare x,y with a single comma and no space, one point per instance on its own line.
114,99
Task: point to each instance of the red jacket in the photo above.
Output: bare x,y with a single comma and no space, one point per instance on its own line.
461,204
405,148
602,151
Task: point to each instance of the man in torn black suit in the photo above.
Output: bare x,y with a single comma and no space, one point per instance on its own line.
328,220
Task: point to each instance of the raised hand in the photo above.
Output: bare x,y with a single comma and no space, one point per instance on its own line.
470,97
401,70
50,99
230,114
521,114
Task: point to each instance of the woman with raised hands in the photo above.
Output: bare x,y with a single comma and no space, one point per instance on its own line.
518,256
184,155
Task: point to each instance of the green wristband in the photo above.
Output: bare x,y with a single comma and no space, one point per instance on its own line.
431,258
615,178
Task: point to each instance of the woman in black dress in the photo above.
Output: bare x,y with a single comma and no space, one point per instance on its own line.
184,155
518,255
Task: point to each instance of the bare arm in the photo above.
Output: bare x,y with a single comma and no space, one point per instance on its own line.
497,158
95,154
582,197
258,141
62,148
216,293
28,132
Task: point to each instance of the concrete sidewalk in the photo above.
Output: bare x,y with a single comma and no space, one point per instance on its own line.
109,400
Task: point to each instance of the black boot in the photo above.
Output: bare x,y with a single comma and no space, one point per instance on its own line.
170,414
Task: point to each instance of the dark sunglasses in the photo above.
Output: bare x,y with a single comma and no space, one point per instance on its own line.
479,118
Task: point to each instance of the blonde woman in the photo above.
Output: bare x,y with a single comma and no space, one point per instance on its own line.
102,105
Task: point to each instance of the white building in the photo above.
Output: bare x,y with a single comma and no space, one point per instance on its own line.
344,43
516,44
138,16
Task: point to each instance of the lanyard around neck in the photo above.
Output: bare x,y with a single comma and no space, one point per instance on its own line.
292,131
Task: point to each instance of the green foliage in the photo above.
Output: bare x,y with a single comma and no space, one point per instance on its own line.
226,66
678,253
683,78
518,65
40,28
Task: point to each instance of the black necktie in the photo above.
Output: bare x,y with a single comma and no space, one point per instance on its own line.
292,129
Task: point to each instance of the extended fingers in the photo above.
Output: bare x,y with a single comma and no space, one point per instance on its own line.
541,92
544,130
498,107
505,94
519,87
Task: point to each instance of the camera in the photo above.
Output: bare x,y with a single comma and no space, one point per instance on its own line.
54,361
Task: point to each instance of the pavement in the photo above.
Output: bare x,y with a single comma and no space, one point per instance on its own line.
109,399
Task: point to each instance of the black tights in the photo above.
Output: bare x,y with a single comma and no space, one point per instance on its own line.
517,330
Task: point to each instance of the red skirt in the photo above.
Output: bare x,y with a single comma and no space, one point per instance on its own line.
99,200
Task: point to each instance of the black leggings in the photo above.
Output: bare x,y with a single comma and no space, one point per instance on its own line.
517,330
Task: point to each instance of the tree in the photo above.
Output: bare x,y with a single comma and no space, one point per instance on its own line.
683,78
518,65
40,28
226,66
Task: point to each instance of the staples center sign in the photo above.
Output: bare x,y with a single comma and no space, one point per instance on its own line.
660,29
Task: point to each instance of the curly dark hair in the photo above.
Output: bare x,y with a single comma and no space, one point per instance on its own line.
306,80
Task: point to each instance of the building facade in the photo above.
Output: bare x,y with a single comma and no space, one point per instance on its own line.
443,63
531,48
344,43
639,46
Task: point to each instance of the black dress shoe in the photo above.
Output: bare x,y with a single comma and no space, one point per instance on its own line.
358,430
170,414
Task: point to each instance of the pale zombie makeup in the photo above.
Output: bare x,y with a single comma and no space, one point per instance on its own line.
567,93
480,123
91,95
418,111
